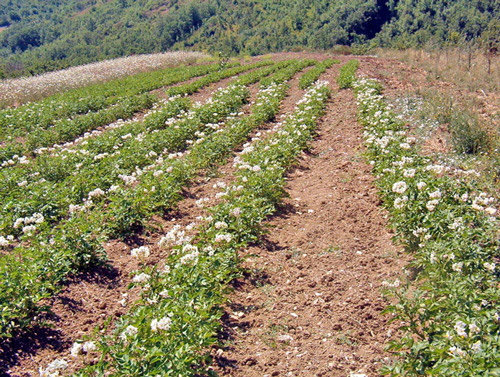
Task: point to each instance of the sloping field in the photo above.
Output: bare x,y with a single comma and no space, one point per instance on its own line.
246,220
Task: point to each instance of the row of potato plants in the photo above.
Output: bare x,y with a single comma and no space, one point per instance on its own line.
15,122
170,330
311,76
347,74
101,141
285,74
450,313
193,87
68,129
76,242
263,73
55,181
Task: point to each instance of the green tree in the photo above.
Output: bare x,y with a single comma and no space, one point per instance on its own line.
490,41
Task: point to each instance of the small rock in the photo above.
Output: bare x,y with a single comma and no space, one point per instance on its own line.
284,338
250,361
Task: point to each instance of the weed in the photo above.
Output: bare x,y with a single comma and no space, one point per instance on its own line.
468,137
334,249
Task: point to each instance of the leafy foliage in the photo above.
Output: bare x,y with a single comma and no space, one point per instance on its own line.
347,74
50,35
449,316
311,76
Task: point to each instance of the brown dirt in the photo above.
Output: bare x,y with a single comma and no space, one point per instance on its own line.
310,304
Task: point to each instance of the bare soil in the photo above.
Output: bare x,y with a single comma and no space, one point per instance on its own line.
311,303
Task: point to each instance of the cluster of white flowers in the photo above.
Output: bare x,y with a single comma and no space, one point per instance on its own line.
432,204
140,252
201,202
458,224
221,225
130,331
236,212
5,241
483,203
23,160
457,267
127,179
437,169
175,237
75,208
491,267
29,223
191,254
399,187
435,194
461,327
400,202
396,283
123,302
53,368
421,185
80,348
96,193
457,351
161,325
141,278
220,237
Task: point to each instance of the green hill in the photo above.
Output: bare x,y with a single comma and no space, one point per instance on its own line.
37,35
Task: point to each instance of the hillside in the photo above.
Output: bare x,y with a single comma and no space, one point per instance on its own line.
298,214
41,36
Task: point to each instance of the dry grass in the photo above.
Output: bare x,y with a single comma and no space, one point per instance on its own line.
467,109
467,70
25,89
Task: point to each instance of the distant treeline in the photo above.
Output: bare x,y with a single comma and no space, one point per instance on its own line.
41,35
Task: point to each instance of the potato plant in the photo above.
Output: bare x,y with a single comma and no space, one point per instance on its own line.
347,74
450,314
311,76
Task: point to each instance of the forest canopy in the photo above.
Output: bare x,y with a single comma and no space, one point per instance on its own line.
41,35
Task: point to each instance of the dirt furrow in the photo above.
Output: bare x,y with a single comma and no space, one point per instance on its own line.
311,302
